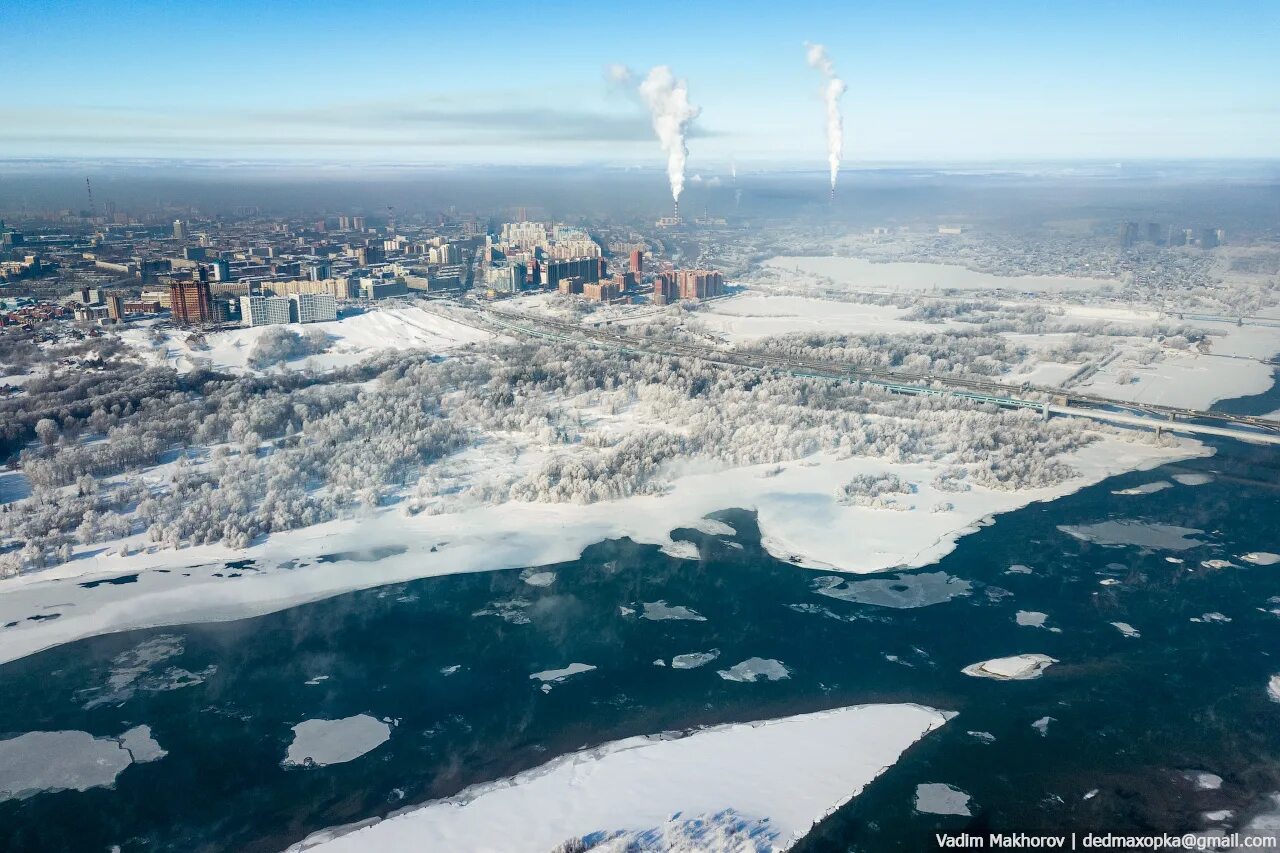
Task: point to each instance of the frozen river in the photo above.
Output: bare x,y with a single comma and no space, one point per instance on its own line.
264,730
862,274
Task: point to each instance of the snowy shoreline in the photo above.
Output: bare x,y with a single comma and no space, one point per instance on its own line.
799,517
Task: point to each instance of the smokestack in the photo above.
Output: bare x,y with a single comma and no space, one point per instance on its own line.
671,112
677,213
831,94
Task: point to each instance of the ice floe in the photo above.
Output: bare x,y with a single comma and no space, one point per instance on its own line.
533,577
1145,488
984,737
1143,534
1042,725
44,762
134,671
792,771
1126,629
1261,558
1034,619
1210,617
141,745
754,669
1018,569
558,675
1273,688
905,590
940,798
693,660
1218,564
1204,781
1015,668
1193,479
319,743
660,611
514,610
681,549
714,528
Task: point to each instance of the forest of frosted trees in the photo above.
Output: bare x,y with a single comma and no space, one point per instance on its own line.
210,458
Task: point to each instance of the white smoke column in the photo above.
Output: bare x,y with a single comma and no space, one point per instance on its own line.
668,102
831,93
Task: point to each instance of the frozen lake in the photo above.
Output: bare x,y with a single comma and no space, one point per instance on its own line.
861,274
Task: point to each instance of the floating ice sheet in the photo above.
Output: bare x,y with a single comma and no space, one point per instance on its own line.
693,660
939,798
754,669
904,590
1015,668
550,675
1143,534
319,743
660,611
41,762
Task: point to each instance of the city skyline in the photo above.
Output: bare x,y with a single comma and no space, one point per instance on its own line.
513,85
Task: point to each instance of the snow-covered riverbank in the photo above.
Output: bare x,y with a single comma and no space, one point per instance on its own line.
799,515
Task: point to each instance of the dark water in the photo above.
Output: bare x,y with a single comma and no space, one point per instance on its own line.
1129,715
1256,404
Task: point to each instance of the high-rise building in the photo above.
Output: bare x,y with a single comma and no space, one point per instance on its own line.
601,291
569,286
1153,233
446,254
637,262
115,306
665,291
313,307
1128,234
587,269
699,284
191,301
221,269
525,235
375,288
179,229
507,279
264,310
338,288
1210,237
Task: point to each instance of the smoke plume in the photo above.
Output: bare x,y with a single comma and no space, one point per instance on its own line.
668,102
831,93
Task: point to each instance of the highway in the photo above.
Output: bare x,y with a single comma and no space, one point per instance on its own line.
1048,401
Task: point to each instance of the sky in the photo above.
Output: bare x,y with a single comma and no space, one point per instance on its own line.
525,83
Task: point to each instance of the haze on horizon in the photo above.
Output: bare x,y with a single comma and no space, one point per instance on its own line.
515,84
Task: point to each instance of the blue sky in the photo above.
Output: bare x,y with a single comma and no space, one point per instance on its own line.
524,83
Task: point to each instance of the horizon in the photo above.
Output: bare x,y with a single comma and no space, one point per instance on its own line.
991,81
